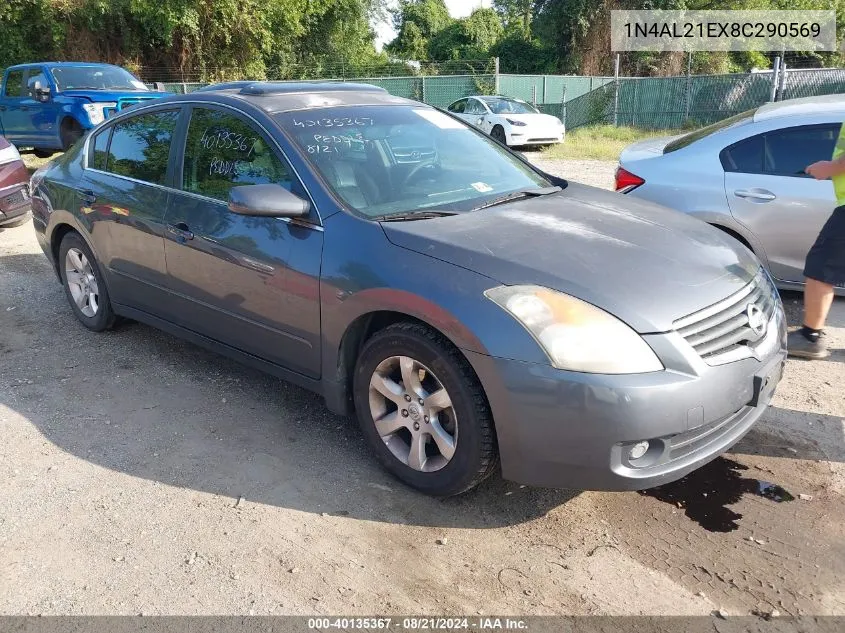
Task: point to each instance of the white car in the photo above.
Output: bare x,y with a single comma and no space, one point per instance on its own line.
509,121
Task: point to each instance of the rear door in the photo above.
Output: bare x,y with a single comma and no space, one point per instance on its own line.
249,282
769,192
123,195
15,119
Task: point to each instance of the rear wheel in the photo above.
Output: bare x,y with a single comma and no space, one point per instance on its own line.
84,285
44,153
423,412
498,133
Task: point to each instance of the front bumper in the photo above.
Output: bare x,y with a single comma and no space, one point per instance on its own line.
529,136
573,430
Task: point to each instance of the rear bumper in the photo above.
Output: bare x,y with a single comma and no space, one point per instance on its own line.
571,430
14,202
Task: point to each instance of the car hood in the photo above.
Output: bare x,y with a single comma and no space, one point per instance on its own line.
643,263
111,95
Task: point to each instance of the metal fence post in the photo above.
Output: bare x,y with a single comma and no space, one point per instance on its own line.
496,74
636,105
689,87
782,88
545,99
534,95
563,107
775,74
423,90
616,91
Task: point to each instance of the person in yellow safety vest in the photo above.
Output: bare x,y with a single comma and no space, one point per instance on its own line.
825,264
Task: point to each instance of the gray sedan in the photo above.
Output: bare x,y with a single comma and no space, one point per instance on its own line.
745,175
467,308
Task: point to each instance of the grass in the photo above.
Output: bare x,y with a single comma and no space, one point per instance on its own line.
600,142
32,161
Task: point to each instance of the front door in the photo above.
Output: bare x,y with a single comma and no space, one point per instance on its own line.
769,192
43,115
123,195
249,282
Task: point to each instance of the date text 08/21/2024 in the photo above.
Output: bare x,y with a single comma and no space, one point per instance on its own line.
417,624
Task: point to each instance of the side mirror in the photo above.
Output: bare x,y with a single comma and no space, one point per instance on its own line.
39,92
273,201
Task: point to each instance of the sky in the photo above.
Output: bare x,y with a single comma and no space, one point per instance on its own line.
457,8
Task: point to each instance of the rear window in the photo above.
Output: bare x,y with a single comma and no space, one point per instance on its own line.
140,146
14,84
688,139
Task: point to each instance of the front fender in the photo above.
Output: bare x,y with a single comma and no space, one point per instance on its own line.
724,221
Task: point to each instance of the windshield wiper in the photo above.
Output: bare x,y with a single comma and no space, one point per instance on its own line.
515,195
402,216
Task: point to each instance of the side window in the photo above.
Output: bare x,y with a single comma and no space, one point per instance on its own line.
99,150
140,146
224,151
14,84
787,152
473,107
744,157
458,107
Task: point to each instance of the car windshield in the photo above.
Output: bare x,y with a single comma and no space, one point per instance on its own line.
498,105
697,135
406,159
95,78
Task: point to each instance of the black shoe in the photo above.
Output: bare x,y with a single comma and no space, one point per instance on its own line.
799,346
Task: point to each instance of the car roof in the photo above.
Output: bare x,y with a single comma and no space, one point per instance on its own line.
276,96
58,64
825,104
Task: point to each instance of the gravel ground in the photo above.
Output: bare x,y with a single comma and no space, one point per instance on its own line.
144,475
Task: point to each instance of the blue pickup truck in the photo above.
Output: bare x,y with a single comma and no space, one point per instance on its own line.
49,106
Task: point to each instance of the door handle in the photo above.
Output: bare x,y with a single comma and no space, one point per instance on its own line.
24,108
755,194
2,108
87,196
180,232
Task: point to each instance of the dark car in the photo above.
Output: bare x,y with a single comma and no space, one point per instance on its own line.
14,186
467,307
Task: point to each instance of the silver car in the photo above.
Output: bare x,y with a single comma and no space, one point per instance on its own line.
745,175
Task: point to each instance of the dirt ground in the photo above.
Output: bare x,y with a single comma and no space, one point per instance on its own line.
144,475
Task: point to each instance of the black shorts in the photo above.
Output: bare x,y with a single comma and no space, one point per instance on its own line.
826,259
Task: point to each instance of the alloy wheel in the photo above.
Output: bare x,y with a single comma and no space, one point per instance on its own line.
82,282
413,413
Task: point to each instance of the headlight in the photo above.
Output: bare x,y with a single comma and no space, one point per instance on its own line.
516,123
576,335
95,111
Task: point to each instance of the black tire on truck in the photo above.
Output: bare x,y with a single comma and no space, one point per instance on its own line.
70,132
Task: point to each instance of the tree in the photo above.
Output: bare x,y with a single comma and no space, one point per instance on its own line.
416,23
516,15
469,38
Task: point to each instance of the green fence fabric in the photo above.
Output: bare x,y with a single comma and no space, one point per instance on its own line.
646,102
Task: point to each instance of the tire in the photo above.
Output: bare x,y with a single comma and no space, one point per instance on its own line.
95,314
471,454
44,153
70,132
498,133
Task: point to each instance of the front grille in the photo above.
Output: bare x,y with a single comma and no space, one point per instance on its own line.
126,102
720,330
550,139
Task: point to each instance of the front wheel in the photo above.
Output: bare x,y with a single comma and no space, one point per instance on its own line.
84,285
423,411
498,133
70,132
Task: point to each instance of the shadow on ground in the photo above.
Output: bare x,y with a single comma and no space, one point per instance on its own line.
143,403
